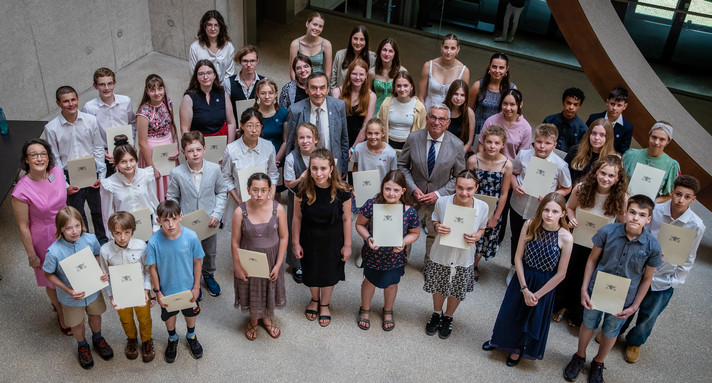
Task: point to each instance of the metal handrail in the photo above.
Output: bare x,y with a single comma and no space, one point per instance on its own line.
664,8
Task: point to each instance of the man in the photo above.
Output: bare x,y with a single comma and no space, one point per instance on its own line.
430,160
329,116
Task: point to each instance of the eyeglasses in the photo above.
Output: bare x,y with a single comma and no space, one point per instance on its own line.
439,119
248,62
35,156
212,26
251,127
205,74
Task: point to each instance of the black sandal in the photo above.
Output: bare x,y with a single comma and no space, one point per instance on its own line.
308,312
326,318
360,319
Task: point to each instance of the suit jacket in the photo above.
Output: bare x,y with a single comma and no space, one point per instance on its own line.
623,133
213,190
413,162
338,131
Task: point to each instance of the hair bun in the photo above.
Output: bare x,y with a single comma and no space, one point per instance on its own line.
121,139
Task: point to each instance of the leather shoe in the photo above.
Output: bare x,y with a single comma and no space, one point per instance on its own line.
297,276
487,346
511,362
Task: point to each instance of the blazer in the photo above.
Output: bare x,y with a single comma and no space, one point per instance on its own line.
338,131
413,162
213,190
623,133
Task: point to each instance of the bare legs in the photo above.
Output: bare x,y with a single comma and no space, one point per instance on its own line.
322,295
389,297
439,301
52,294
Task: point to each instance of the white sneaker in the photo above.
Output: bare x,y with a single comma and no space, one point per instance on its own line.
500,39
359,260
510,275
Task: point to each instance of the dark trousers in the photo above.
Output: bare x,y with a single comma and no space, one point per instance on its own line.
516,222
91,196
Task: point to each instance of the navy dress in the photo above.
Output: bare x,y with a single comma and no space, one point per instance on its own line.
524,329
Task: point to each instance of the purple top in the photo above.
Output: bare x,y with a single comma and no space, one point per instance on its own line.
519,135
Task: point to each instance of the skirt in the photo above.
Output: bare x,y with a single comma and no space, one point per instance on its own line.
384,278
449,281
162,182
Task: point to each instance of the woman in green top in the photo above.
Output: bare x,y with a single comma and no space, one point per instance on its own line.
386,68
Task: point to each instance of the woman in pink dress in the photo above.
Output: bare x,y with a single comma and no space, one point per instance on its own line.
35,201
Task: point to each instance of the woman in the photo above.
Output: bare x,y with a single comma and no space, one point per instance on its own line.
596,143
462,118
295,90
385,71
317,48
402,112
36,199
204,107
519,132
213,44
359,99
241,86
485,94
357,48
274,117
438,74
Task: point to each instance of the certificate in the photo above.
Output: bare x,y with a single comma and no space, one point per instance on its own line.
179,301
461,221
83,272
609,292
198,222
160,158
676,243
127,285
491,202
588,225
82,171
243,175
539,178
243,105
254,263
114,131
646,180
367,184
144,224
560,153
215,148
388,225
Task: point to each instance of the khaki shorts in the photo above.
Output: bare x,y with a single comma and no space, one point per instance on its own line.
73,316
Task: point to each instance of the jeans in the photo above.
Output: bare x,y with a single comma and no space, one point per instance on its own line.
653,304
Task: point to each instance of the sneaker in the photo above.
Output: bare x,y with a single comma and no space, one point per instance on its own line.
131,348
433,325
595,373
510,275
573,369
103,348
147,351
297,275
500,39
632,353
196,350
213,286
359,261
200,294
171,350
510,39
85,359
445,327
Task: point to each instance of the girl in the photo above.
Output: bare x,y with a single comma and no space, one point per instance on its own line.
385,71
603,192
317,48
462,118
437,75
359,99
485,94
241,86
450,272
596,143
295,90
357,48
213,44
494,171
384,266
321,232
130,188
519,132
274,117
260,224
375,153
542,256
402,113
155,126
71,237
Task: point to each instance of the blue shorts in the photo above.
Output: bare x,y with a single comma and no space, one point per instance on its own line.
611,325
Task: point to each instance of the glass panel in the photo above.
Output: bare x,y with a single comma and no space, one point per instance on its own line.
649,27
655,12
694,47
700,6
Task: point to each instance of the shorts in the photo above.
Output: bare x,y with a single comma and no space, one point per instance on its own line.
611,325
74,316
188,313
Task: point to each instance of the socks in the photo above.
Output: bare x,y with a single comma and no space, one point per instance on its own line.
83,343
172,335
95,336
190,333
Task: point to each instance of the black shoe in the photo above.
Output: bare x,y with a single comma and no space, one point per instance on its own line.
595,372
196,350
85,359
171,351
297,275
433,325
445,327
103,348
573,369
487,346
200,294
513,362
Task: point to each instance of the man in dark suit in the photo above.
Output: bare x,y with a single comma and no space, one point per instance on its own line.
329,116
616,103
430,160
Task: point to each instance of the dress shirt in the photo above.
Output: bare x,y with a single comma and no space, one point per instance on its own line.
197,177
112,254
60,250
619,121
117,194
119,113
246,90
324,122
223,59
79,139
239,156
437,142
526,205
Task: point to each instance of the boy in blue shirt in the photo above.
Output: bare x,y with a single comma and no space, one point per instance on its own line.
173,258
571,127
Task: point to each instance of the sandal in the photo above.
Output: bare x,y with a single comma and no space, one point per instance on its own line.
558,316
272,329
359,319
477,275
325,318
390,322
311,314
65,330
251,332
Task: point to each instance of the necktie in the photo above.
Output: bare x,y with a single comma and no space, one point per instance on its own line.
318,126
431,157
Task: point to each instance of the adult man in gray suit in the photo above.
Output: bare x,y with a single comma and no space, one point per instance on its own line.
430,160
329,116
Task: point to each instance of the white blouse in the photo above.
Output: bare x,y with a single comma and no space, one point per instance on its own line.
117,194
223,59
450,256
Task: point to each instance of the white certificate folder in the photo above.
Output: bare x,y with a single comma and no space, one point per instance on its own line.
127,285
83,272
388,225
461,221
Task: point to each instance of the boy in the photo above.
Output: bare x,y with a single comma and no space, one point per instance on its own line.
197,185
571,127
523,206
110,110
667,277
658,138
173,259
616,103
73,135
124,249
622,249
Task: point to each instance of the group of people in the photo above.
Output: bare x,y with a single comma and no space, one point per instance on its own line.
449,145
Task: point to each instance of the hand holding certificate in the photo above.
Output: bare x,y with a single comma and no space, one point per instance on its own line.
178,301
609,293
83,272
588,225
254,263
243,175
215,148
646,180
198,221
539,178
676,243
388,225
127,285
461,221
82,172
161,158
367,184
